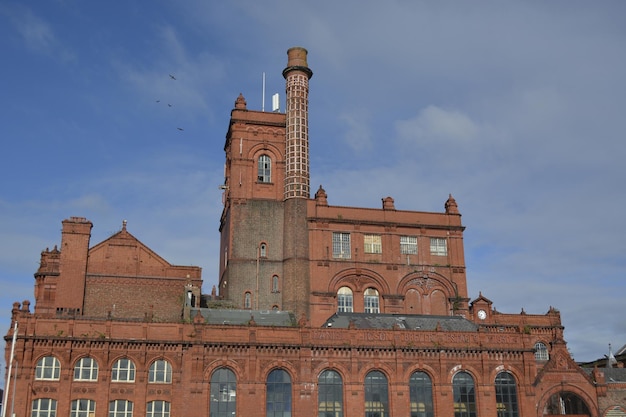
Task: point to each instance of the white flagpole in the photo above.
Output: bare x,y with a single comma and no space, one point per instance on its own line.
8,383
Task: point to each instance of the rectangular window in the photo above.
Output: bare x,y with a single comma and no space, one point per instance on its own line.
438,246
341,245
408,245
372,244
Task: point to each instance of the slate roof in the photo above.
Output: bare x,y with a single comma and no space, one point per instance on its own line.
243,317
611,375
400,321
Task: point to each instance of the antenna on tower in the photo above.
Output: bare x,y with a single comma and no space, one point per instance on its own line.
263,99
275,103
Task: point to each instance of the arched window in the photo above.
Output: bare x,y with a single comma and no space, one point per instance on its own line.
330,394
371,301
263,250
247,300
123,371
344,300
376,395
121,408
158,409
565,402
421,395
265,169
86,369
83,408
278,389
160,372
463,395
506,395
44,407
223,401
541,352
48,367
275,287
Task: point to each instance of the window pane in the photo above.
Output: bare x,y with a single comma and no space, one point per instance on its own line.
341,245
86,369
265,169
160,371
44,407
223,393
330,397
121,408
376,395
372,244
371,301
463,393
83,408
541,352
344,300
421,395
123,371
278,389
438,246
158,409
506,395
408,245
48,367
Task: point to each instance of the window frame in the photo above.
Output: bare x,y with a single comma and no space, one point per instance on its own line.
81,369
507,402
376,398
330,393
279,397
49,411
114,409
421,392
541,351
345,300
372,243
371,302
264,169
76,408
408,245
163,412
129,370
342,248
438,246
219,406
48,365
464,395
160,372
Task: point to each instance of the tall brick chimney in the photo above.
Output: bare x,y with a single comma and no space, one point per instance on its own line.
297,188
70,292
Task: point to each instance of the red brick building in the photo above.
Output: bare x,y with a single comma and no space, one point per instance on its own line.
321,311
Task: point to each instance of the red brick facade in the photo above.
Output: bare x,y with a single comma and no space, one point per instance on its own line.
379,321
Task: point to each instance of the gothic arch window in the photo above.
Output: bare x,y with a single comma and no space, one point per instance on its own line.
44,407
83,408
264,173
541,352
123,371
464,396
278,394
565,403
345,302
158,408
371,301
376,395
160,372
223,402
506,395
275,282
48,368
247,300
421,395
86,369
330,394
121,408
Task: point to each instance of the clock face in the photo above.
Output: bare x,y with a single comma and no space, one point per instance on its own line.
482,314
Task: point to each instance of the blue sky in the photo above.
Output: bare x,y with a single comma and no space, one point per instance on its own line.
516,108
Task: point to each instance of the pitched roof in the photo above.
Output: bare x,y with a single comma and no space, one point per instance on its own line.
400,321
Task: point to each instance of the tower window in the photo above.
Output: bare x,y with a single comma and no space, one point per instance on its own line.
341,245
265,169
247,302
372,244
275,287
438,246
263,250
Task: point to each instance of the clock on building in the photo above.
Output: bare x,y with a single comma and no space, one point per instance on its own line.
482,314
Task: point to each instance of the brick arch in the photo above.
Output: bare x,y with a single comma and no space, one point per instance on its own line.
475,373
358,282
421,281
432,373
222,363
385,369
340,369
517,374
267,149
279,364
592,406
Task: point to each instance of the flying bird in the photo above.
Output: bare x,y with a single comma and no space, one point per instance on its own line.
180,128
169,105
158,101
172,77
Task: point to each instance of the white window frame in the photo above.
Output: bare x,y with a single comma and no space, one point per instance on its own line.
118,370
341,245
48,368
345,300
163,412
120,408
86,369
160,372
264,171
541,352
408,245
371,301
44,407
83,407
372,243
438,246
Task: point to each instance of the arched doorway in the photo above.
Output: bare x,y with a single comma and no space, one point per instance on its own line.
565,403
